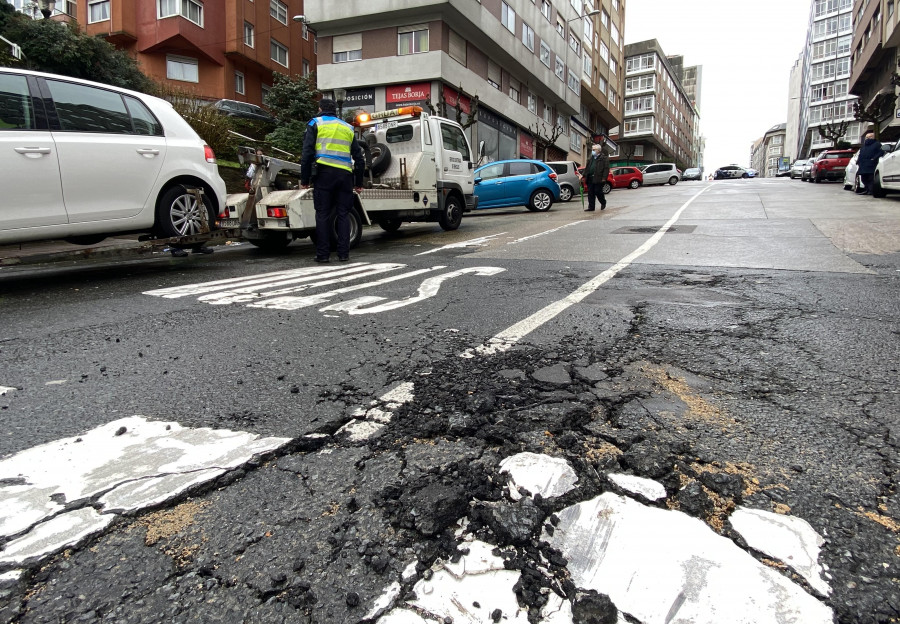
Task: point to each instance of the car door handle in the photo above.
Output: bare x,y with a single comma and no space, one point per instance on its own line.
147,151
32,150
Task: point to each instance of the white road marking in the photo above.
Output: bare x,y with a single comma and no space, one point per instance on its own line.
5,389
429,288
368,422
295,303
519,240
475,242
506,339
122,466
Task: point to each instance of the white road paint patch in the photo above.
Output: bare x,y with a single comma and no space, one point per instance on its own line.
359,430
5,389
56,382
787,538
451,591
539,474
295,303
648,488
385,601
475,242
428,288
10,578
533,236
124,465
664,566
506,339
368,422
63,531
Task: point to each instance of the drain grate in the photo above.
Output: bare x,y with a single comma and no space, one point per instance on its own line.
653,229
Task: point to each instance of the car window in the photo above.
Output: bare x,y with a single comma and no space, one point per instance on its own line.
454,139
143,119
400,134
653,168
491,171
520,168
87,109
16,111
558,168
536,168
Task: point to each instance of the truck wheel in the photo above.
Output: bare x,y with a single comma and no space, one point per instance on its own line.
390,225
178,212
451,217
607,188
540,201
355,231
271,243
565,192
380,158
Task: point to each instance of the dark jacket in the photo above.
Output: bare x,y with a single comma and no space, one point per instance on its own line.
308,159
597,169
868,156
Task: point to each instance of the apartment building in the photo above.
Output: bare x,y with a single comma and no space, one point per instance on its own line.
876,39
826,98
214,49
534,65
795,101
661,123
768,152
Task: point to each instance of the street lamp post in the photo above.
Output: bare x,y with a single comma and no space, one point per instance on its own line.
339,96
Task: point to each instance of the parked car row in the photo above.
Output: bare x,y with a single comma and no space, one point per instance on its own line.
841,164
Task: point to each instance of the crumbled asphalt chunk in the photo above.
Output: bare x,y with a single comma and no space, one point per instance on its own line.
121,431
724,484
694,501
434,507
591,607
496,615
512,523
648,460
557,375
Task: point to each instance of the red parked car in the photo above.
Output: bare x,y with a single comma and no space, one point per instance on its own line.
606,188
830,165
619,177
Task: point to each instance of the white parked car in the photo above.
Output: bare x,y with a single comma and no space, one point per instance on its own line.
851,176
661,173
797,168
85,160
887,175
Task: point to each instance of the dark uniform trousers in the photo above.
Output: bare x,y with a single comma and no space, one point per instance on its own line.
333,194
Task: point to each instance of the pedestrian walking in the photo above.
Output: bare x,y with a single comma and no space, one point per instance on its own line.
867,160
334,162
595,173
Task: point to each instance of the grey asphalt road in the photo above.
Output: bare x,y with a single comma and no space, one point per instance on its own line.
747,356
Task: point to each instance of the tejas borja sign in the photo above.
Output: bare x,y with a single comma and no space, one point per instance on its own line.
398,95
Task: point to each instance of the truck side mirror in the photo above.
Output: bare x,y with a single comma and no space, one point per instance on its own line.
481,149
471,165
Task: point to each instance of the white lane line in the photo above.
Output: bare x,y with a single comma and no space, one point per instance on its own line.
475,242
510,336
519,240
295,303
239,282
5,389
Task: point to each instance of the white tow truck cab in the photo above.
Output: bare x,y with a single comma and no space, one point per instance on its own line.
419,167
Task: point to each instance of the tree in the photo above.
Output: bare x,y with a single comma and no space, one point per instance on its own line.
834,131
441,109
879,110
293,100
544,137
61,48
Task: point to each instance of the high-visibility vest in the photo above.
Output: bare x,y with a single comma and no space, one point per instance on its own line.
333,140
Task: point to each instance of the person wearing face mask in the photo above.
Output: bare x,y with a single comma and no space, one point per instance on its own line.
595,173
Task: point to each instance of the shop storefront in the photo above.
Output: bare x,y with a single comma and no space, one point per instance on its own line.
416,94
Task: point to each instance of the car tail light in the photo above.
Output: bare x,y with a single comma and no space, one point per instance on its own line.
224,214
553,176
209,154
276,212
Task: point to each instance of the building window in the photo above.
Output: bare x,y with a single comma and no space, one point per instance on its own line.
305,68
457,48
98,11
614,35
615,5
604,52
493,74
412,40
548,114
239,82
573,83
575,142
604,18
278,10
574,43
639,150
546,9
532,104
601,84
640,63
514,93
613,66
545,54
305,32
508,17
182,68
588,65
188,9
249,35
560,26
560,69
528,36
264,89
346,48
278,53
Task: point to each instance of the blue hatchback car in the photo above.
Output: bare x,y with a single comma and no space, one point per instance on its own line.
505,183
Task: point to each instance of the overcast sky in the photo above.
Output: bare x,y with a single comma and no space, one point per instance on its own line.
746,49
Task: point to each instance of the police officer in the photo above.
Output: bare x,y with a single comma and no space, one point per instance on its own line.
331,148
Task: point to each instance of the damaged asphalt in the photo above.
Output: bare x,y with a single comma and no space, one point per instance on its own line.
731,389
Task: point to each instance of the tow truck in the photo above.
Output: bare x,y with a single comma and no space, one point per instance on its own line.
419,167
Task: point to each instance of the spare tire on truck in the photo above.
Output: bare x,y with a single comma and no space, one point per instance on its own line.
379,158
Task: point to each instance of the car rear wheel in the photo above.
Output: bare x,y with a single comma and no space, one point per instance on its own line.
745,175
180,214
607,188
634,184
877,189
565,192
540,201
673,180
817,179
